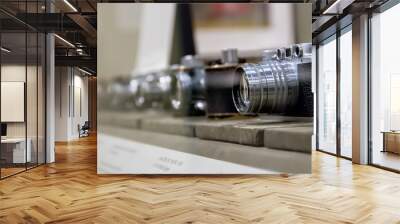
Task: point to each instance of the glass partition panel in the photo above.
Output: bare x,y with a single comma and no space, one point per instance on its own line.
327,96
15,151
346,94
385,89
22,62
32,97
31,86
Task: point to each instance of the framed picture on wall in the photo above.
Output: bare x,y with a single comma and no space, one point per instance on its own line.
12,101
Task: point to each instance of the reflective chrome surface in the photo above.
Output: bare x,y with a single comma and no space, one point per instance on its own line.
273,85
187,94
121,93
153,91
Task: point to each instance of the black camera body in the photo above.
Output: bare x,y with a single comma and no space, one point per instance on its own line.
219,82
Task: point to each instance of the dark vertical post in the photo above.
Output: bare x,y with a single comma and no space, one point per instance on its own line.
317,97
26,86
183,40
37,90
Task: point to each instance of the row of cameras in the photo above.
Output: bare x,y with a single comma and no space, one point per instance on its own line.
279,83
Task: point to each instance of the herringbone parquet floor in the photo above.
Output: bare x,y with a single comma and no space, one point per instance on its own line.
70,191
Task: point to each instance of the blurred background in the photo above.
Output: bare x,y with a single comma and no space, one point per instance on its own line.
138,38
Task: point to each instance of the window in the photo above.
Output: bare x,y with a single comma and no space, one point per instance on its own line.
334,106
385,89
346,93
327,96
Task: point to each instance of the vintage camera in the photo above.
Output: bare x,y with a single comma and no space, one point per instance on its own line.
279,84
153,91
187,93
219,82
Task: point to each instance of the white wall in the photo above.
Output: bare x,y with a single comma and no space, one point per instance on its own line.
69,82
134,38
62,82
117,37
155,37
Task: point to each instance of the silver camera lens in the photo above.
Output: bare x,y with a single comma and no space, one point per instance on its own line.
153,91
265,88
180,95
120,93
241,92
275,85
244,89
301,50
187,95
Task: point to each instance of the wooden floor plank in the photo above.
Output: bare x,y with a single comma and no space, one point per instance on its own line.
70,191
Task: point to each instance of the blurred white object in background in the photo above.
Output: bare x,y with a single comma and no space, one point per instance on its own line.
278,32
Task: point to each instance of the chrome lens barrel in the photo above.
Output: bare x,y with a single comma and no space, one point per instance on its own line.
187,94
153,91
280,83
270,87
181,94
120,93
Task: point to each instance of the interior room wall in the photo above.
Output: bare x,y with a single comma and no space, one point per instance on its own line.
62,98
70,83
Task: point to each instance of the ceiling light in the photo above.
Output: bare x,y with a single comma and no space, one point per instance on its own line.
84,71
5,50
64,40
70,5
